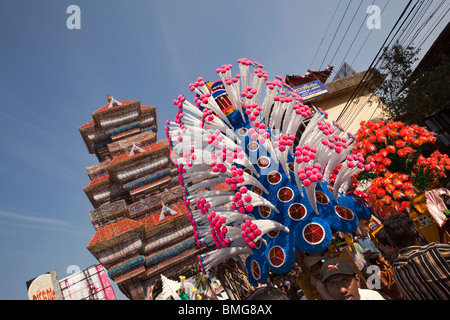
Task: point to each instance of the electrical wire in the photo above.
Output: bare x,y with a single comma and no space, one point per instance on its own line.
412,22
346,31
409,39
433,27
326,31
368,35
428,34
369,70
354,38
334,36
416,18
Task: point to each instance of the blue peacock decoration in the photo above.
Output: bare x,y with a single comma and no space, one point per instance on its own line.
253,187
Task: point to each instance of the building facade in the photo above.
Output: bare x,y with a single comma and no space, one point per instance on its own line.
363,104
347,100
139,216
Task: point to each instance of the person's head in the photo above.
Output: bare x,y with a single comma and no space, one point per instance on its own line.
400,231
376,258
268,293
314,264
386,248
340,279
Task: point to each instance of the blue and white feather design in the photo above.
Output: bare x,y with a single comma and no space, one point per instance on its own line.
256,176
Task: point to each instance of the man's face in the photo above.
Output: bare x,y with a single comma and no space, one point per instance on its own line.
343,287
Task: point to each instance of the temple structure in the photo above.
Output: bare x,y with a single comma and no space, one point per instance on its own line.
140,220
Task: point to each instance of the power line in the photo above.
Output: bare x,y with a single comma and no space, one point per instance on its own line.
345,34
418,30
354,38
360,88
425,37
427,33
375,59
417,17
326,31
369,70
413,23
368,35
339,26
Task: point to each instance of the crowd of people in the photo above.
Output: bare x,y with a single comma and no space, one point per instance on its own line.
403,266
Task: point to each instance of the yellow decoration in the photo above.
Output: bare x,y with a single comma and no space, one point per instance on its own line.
349,240
430,232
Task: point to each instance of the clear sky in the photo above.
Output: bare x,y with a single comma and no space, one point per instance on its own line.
52,79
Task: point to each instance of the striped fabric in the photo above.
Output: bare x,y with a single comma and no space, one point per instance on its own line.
423,272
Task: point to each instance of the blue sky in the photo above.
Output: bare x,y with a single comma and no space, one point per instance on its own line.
52,79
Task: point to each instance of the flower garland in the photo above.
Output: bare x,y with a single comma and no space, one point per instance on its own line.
391,193
392,146
433,168
395,151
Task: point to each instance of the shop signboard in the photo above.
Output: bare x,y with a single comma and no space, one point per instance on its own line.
44,287
89,284
311,90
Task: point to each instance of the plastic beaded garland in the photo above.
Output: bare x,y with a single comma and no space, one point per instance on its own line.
254,186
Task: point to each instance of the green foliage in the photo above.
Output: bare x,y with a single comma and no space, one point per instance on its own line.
201,282
428,94
406,100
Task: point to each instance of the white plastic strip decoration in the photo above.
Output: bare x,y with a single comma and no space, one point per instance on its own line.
249,147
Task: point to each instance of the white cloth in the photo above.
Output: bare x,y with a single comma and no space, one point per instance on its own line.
436,205
367,294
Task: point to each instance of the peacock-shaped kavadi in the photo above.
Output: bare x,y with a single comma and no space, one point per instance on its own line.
256,176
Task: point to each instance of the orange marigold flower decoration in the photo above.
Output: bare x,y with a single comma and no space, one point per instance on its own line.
395,150
389,194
